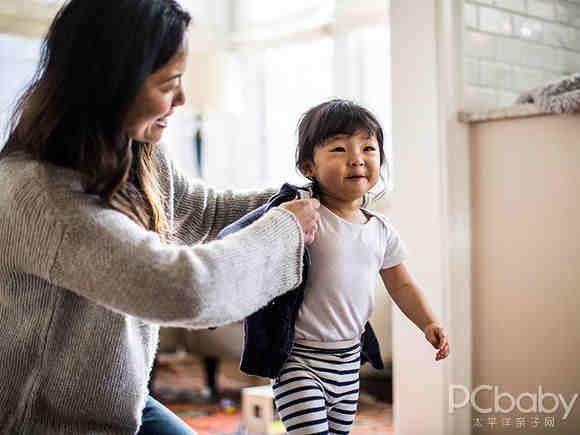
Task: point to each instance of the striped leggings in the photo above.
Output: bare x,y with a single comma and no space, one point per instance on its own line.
317,390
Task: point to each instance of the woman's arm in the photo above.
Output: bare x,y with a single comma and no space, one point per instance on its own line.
107,258
201,211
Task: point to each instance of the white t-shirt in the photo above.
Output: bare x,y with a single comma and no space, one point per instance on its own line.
345,261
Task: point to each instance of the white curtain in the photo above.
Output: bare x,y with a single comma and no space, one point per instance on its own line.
283,58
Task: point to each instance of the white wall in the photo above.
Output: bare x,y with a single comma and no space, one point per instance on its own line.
415,209
430,206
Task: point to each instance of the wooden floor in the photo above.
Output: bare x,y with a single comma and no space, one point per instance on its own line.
179,383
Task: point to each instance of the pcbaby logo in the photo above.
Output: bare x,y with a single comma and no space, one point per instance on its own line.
537,400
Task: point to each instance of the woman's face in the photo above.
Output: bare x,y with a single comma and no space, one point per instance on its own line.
162,92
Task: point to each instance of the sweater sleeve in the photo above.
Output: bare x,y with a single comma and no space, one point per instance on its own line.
201,211
104,256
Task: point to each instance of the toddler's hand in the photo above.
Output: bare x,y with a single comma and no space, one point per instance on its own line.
305,212
436,336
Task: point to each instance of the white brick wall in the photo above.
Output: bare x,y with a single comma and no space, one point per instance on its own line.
512,46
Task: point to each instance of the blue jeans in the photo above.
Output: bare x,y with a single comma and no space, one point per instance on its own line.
158,420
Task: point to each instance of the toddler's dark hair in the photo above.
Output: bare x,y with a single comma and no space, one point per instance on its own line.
330,119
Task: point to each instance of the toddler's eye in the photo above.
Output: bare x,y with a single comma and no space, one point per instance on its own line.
369,148
337,149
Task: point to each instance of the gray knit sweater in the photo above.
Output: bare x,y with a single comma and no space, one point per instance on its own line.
83,290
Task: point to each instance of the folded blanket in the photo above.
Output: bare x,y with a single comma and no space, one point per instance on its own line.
559,96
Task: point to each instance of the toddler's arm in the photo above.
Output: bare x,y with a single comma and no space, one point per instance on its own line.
411,300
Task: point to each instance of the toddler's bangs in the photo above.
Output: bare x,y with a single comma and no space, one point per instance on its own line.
342,119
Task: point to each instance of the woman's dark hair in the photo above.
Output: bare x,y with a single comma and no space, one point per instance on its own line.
94,61
330,119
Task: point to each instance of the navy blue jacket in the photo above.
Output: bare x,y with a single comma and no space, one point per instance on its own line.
269,332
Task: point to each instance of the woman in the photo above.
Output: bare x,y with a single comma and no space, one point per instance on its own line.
101,237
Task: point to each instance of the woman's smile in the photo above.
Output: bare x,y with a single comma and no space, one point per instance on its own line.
162,122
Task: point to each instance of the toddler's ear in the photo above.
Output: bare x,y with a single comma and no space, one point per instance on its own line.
307,169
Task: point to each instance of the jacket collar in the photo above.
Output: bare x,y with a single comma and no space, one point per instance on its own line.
296,192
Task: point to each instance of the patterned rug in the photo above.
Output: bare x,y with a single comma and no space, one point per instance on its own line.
226,419
180,386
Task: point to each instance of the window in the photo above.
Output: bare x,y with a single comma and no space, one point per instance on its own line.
284,59
18,60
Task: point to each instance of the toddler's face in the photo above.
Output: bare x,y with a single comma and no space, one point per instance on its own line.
346,167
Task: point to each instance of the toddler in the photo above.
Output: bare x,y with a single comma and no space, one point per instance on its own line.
340,149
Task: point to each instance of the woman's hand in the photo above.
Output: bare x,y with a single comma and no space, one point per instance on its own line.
436,336
305,212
